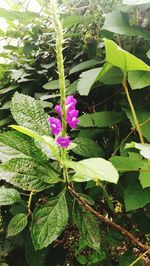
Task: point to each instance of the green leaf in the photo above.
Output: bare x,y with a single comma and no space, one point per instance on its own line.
118,22
87,148
17,224
28,174
24,17
100,119
43,139
8,196
14,144
70,21
93,169
128,258
135,2
144,176
87,79
84,65
88,226
138,79
135,196
143,116
110,75
144,148
49,220
29,113
122,59
54,84
124,164
34,257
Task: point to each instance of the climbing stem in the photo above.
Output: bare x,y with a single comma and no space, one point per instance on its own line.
125,86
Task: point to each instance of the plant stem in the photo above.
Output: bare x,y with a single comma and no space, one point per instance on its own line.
60,64
29,202
133,112
60,60
139,258
107,221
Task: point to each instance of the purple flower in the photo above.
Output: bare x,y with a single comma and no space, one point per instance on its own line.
72,118
55,125
70,103
58,109
63,141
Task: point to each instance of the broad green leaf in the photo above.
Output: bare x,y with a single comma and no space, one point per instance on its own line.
72,88
70,21
49,220
87,79
10,88
54,84
138,79
88,226
144,176
135,196
14,144
28,174
29,113
143,116
93,169
144,148
110,75
17,224
23,17
84,65
34,257
8,196
43,139
46,148
126,164
100,119
123,59
87,148
118,22
135,2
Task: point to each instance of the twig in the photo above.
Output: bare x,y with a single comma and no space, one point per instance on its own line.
119,228
140,257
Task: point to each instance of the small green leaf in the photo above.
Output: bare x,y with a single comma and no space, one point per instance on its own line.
123,164
54,84
49,220
29,113
84,65
93,169
122,59
87,148
17,224
87,79
8,196
144,148
138,79
144,176
135,196
100,119
88,226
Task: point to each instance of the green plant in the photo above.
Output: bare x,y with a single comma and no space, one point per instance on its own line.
70,182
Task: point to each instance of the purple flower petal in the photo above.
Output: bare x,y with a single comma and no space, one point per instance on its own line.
58,109
63,141
70,103
72,118
55,125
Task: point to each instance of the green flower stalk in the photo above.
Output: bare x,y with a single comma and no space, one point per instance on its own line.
60,60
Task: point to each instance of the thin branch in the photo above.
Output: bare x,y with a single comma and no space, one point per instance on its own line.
102,218
140,257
